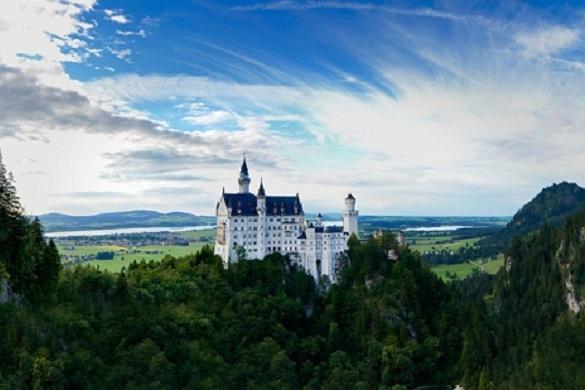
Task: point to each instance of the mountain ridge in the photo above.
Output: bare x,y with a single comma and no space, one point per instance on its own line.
122,219
552,205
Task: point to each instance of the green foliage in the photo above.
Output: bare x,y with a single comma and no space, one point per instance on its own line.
389,322
525,336
190,323
105,255
31,264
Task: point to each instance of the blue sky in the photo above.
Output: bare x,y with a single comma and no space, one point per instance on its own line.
434,108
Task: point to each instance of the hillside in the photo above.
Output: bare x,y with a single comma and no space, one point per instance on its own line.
536,333
139,218
552,205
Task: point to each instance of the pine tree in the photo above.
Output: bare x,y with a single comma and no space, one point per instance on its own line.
47,272
12,226
9,202
26,279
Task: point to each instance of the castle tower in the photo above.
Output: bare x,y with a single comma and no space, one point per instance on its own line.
350,216
261,200
261,225
244,179
319,220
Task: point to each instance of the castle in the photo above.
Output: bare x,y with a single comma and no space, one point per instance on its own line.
252,226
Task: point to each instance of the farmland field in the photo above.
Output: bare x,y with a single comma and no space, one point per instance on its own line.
125,256
465,269
79,253
439,242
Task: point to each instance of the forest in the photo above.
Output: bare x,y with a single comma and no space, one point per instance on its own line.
387,324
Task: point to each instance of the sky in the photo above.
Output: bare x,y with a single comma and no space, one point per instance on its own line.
415,107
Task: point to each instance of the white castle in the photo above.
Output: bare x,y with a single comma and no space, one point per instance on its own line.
253,226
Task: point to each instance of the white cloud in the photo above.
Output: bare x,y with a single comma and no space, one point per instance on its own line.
43,29
547,41
198,113
208,118
139,33
122,54
116,16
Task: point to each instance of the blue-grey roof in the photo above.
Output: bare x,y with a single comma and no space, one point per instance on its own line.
283,205
244,168
241,204
334,229
261,191
329,229
245,204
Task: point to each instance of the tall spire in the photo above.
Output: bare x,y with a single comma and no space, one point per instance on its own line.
244,169
261,191
244,178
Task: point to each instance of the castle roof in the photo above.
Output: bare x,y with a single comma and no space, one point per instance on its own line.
245,204
328,229
321,230
261,191
244,169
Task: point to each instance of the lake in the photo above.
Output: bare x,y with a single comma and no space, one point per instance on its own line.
444,228
107,232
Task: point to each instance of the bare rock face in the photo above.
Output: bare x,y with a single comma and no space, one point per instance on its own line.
582,234
4,291
401,238
374,281
508,264
392,255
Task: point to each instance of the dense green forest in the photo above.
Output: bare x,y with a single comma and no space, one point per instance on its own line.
534,339
189,323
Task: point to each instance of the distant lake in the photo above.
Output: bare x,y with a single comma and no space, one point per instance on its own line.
107,232
444,228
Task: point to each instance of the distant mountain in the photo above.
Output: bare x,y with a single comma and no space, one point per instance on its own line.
138,218
552,206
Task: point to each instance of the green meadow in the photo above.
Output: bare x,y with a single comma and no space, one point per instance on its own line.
465,269
438,242
125,256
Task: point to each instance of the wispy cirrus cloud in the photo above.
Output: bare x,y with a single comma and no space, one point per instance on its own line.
547,41
287,5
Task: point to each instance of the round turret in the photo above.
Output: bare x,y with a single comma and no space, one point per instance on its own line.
349,203
350,216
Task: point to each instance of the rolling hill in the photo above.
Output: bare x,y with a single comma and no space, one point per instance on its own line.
551,206
138,218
